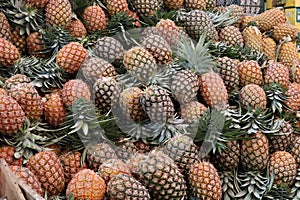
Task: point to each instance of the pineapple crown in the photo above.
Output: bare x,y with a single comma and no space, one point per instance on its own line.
221,19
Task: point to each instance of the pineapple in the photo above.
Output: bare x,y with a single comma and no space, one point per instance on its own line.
205,181
98,154
288,54
231,36
94,68
159,48
111,168
283,139
252,38
116,6
14,80
47,167
18,40
293,94
54,110
253,96
71,162
9,53
195,5
12,116
27,177
109,49
161,176
284,30
277,73
246,19
3,91
255,152
124,186
58,12
37,3
228,70
167,29
173,4
211,5
29,100
146,8
184,86
192,111
295,149
34,45
95,18
86,184
76,28
157,104
74,89
270,18
5,32
140,64
284,167
71,57
125,150
269,47
7,153
237,12
250,73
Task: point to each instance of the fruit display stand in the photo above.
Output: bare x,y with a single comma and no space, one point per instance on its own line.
12,188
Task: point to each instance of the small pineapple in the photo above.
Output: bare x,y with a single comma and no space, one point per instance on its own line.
76,28
7,153
116,6
71,56
111,168
86,184
231,36
54,110
48,169
95,18
5,32
250,73
269,47
277,73
270,18
253,96
284,30
288,54
192,111
9,53
252,38
58,12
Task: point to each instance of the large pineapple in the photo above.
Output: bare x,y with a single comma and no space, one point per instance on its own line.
76,28
95,18
58,12
7,153
249,73
269,47
270,18
277,73
253,96
111,168
9,54
49,171
293,93
195,5
231,36
253,38
146,8
288,54
86,184
285,30
5,32
192,111
167,29
173,4
283,139
116,6
37,3
54,110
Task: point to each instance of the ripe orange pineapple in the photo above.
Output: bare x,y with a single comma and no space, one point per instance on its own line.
269,47
54,110
116,6
18,40
86,184
192,110
231,36
5,32
245,21
111,168
58,12
288,54
253,96
34,46
167,29
249,73
37,3
49,171
9,54
293,93
270,18
253,38
71,57
76,28
173,5
7,153
284,30
277,73
95,18
195,4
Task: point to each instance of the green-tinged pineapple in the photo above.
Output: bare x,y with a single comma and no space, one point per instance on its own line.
94,68
116,6
253,96
75,89
29,100
95,18
71,57
284,167
184,86
277,73
7,153
12,116
159,48
283,139
161,176
228,70
183,151
205,181
130,103
86,184
167,29
109,49
146,8
228,158
284,30
111,168
71,162
288,54
76,28
28,177
173,4
98,154
9,53
54,110
270,18
195,5
124,186
58,12
269,47
255,152
250,73
231,36
253,38
18,40
293,93
192,111
47,168
105,93
157,104
5,32
34,45
140,63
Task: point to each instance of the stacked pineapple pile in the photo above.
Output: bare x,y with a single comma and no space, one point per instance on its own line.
137,99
